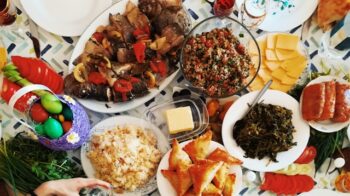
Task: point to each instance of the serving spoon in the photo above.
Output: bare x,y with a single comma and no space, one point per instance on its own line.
257,98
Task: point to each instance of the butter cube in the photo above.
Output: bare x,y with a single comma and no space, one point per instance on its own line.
179,119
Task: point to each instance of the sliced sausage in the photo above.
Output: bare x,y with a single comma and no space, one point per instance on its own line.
313,101
342,103
329,105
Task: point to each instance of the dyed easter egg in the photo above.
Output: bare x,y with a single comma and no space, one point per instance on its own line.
53,128
66,126
38,113
39,129
61,118
67,113
51,103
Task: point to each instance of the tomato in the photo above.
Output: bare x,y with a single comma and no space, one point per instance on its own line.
8,89
213,107
225,108
240,49
96,78
22,65
307,156
55,83
209,43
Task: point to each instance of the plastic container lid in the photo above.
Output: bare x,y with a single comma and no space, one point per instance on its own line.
156,115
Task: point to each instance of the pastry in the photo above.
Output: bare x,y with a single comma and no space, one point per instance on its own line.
198,148
178,158
330,11
203,173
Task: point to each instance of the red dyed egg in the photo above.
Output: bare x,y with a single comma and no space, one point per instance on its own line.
38,113
66,126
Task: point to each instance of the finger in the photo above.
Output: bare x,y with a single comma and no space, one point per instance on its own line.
91,182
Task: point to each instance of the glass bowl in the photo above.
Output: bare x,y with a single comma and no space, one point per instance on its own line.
191,70
156,115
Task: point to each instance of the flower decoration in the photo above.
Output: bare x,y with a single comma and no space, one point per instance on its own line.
73,138
69,99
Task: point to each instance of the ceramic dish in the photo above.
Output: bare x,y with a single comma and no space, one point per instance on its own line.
111,123
235,113
110,107
64,17
326,126
164,186
291,17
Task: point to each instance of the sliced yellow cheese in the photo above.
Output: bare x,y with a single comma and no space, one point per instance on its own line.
277,85
279,73
270,55
287,41
297,69
3,57
257,84
264,74
262,45
295,73
288,80
290,64
271,41
179,119
286,54
272,65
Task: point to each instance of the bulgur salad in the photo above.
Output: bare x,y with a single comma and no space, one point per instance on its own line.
127,157
216,62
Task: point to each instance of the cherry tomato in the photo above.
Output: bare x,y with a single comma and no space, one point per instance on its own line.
307,156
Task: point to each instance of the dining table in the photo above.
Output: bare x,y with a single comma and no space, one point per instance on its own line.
56,50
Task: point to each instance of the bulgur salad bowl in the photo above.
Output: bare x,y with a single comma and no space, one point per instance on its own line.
214,57
125,151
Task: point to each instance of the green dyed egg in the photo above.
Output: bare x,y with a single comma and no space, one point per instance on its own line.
51,104
53,128
40,129
67,113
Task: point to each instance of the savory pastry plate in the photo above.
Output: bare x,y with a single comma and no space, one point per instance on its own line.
165,187
123,122
118,106
327,126
300,136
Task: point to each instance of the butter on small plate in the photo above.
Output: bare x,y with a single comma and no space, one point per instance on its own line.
183,118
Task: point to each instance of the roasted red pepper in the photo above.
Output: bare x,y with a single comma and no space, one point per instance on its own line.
139,51
96,78
122,86
142,33
134,80
158,66
98,36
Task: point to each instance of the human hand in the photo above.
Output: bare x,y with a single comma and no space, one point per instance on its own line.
68,187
